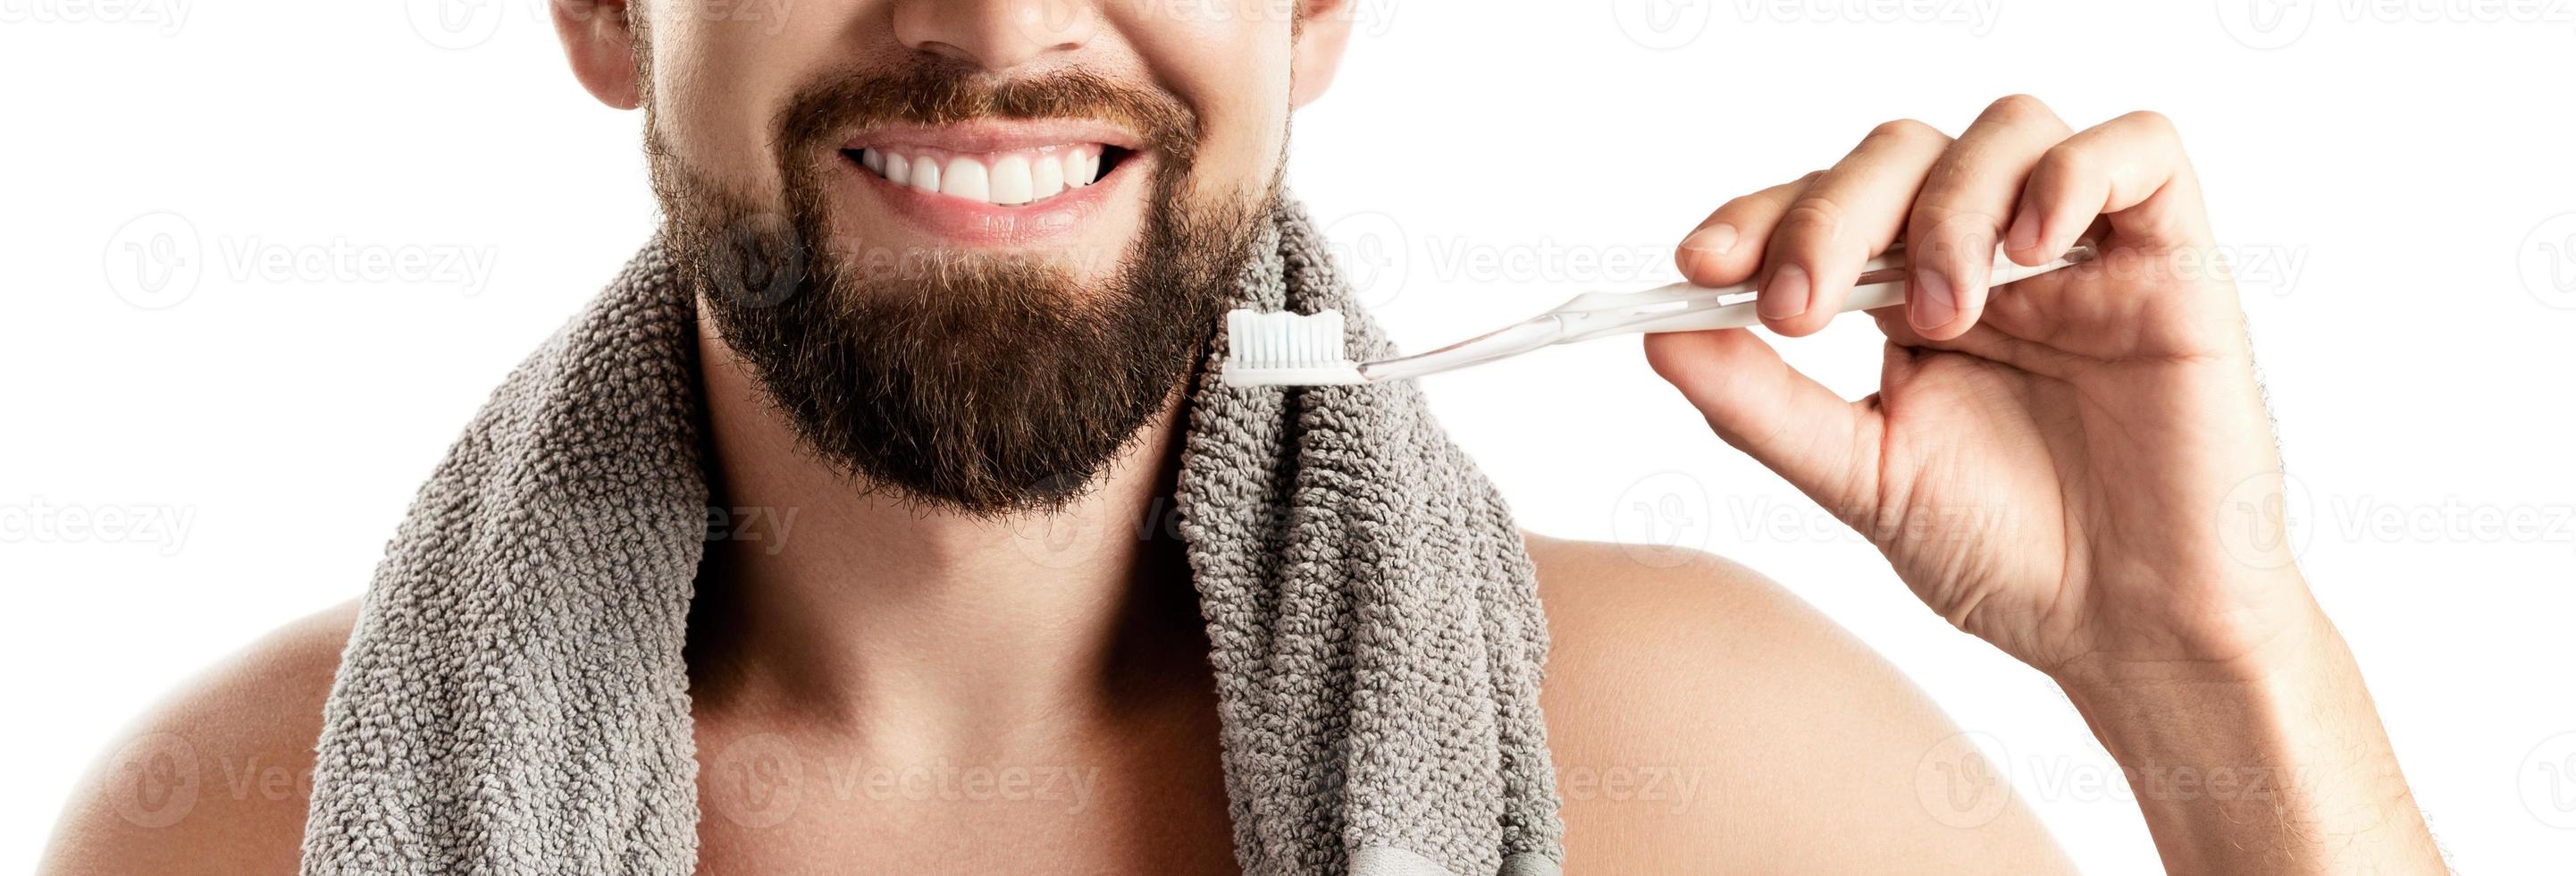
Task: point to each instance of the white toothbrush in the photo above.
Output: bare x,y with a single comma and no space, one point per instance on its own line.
1289,349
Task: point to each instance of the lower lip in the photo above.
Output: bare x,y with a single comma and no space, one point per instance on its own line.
974,223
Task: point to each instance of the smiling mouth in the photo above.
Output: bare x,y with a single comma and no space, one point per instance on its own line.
1013,178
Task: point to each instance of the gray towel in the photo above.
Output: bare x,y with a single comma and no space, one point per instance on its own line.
514,700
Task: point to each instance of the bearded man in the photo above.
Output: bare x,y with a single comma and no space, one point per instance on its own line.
943,280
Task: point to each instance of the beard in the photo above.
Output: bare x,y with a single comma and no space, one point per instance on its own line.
982,383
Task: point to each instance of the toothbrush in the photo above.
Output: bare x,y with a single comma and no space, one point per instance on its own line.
1290,349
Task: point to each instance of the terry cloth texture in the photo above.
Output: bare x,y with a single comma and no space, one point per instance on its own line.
514,699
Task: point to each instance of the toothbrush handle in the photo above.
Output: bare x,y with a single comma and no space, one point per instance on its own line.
1684,307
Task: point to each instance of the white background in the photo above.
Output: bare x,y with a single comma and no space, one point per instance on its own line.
2393,181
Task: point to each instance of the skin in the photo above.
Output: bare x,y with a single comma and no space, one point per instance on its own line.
2079,444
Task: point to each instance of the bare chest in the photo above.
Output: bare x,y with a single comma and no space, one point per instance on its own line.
771,803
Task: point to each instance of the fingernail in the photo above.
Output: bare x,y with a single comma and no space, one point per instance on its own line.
1933,303
1786,295
1718,239
2025,228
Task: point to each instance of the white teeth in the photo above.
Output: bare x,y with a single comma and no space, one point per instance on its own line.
1008,179
1011,181
964,178
1046,176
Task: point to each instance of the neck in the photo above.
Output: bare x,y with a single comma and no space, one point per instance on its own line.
824,598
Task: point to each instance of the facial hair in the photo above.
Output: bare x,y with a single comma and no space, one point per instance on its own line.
982,383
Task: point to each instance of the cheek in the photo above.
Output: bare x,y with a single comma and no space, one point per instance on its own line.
715,83
1229,59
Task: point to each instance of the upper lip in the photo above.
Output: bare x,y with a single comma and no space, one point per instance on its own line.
996,135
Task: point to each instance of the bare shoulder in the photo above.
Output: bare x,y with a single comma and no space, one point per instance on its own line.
214,780
1701,715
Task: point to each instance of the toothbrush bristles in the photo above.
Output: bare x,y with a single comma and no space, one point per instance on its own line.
1286,348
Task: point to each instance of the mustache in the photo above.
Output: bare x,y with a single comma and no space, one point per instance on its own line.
942,91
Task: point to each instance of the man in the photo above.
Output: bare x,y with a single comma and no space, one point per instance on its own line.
1024,150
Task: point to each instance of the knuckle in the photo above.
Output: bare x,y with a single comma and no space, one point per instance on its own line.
1812,217
1959,171
2013,107
1903,130
2153,122
2062,162
1750,205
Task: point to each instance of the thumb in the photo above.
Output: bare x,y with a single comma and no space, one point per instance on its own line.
1824,446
